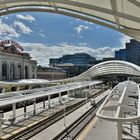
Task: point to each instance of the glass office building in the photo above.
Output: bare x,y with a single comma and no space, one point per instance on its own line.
131,53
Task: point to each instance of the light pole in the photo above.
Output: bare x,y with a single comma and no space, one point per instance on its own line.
86,98
65,116
65,125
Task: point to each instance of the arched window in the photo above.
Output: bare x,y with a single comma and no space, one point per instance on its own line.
33,68
19,71
12,72
4,71
26,72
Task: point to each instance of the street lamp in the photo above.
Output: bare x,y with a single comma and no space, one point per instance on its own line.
65,116
86,98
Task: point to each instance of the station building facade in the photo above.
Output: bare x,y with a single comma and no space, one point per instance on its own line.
50,73
14,63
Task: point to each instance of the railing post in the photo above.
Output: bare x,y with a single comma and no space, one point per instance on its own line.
119,127
34,107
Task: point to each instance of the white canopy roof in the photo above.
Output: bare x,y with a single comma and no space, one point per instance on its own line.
121,15
122,104
24,82
31,94
107,68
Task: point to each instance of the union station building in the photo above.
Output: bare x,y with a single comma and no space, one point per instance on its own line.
14,63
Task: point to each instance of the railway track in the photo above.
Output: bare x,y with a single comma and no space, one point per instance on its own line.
73,130
30,132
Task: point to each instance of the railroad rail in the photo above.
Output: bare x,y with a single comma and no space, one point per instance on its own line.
73,130
32,131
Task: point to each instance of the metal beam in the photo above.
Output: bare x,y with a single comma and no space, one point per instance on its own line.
114,9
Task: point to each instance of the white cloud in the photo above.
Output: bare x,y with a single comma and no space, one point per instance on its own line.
81,28
5,17
125,39
42,35
87,22
22,27
71,22
8,30
97,27
42,53
82,44
26,17
78,19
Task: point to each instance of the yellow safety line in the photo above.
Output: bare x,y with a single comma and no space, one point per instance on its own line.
87,129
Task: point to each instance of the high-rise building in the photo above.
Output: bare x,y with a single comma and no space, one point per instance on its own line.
120,54
131,53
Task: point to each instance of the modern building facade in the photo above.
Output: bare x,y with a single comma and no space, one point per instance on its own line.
131,53
50,73
121,54
73,64
78,59
14,63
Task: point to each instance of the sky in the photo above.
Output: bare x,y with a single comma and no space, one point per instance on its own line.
49,35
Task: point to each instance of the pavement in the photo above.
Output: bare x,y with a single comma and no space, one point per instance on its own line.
99,130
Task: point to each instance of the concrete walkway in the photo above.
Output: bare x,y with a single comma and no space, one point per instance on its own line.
99,130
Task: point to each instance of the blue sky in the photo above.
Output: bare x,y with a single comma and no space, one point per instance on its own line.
47,35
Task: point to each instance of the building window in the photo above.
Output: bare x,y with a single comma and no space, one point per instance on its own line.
12,69
19,71
33,68
26,72
4,71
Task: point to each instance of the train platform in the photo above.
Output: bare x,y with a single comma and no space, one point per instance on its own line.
12,129
99,129
119,124
62,124
22,123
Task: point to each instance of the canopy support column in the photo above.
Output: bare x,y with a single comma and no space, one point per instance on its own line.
60,97
68,95
0,127
34,107
44,103
49,99
25,110
14,110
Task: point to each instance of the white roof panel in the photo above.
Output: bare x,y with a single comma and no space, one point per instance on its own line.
19,96
121,15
